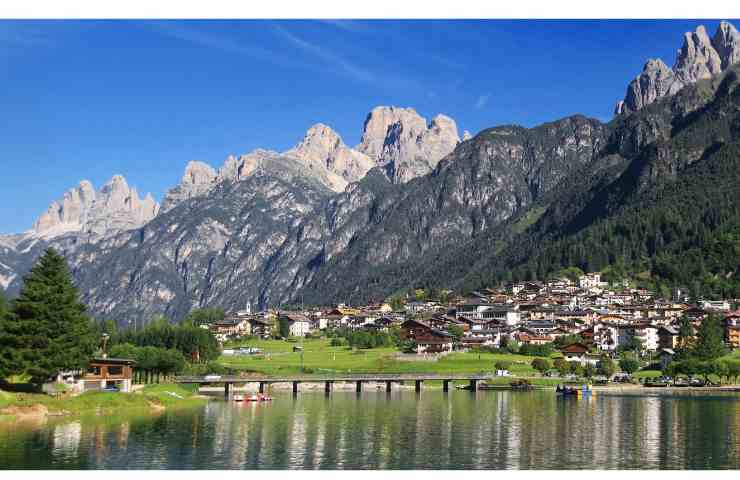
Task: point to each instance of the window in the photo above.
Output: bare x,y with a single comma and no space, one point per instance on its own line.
93,370
115,370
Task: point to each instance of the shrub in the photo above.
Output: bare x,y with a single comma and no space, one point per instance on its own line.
629,365
502,365
561,365
536,350
541,365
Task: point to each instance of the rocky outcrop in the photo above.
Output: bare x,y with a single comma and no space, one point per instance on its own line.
115,207
655,81
198,178
323,147
698,58
404,144
726,42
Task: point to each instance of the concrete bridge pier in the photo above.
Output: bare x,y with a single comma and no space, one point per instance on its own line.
295,387
388,386
328,386
473,385
227,389
446,385
358,387
417,385
262,387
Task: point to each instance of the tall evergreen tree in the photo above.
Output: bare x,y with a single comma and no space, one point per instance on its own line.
709,341
8,355
49,330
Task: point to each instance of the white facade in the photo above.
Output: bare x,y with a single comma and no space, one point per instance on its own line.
721,305
300,328
590,280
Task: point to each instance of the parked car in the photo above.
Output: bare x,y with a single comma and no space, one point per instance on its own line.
503,373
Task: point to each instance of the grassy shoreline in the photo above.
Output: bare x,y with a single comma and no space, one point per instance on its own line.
152,398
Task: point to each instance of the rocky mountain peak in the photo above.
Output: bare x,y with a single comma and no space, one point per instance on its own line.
115,207
698,58
656,80
198,173
198,178
404,144
726,42
323,147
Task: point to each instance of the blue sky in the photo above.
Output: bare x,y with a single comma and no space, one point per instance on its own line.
89,99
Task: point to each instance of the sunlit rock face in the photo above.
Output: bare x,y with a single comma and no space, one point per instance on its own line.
698,58
115,207
322,147
404,144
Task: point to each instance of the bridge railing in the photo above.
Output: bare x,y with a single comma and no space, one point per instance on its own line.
335,378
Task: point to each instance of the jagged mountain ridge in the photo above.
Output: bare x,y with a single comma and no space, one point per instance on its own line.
321,164
486,207
699,58
670,167
198,253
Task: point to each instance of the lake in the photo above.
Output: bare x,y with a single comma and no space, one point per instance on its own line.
401,430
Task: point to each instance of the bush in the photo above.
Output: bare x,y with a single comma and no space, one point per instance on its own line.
338,342
502,365
541,365
536,350
409,346
606,366
561,365
629,365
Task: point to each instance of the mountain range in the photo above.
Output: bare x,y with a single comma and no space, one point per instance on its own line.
413,204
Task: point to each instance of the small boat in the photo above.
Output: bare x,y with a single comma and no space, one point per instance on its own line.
238,397
565,391
258,398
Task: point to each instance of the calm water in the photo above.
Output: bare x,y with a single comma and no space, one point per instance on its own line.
486,430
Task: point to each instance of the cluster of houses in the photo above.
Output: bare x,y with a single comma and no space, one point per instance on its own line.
528,313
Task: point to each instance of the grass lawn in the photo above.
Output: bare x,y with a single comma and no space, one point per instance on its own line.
647,374
319,358
734,355
106,402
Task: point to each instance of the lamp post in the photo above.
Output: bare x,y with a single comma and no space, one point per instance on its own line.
105,345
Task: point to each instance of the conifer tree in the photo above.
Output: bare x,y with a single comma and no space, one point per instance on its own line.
9,360
709,341
48,329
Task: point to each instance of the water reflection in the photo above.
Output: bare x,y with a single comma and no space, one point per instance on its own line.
483,430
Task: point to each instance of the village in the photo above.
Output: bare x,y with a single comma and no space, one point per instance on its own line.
584,318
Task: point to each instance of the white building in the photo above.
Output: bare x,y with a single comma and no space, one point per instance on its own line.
298,324
720,305
478,310
590,280
647,335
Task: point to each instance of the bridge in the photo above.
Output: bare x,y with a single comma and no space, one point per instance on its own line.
389,379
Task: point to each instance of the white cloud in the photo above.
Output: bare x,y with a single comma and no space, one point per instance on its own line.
329,57
482,101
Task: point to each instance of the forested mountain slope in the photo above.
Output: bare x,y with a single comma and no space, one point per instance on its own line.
660,200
